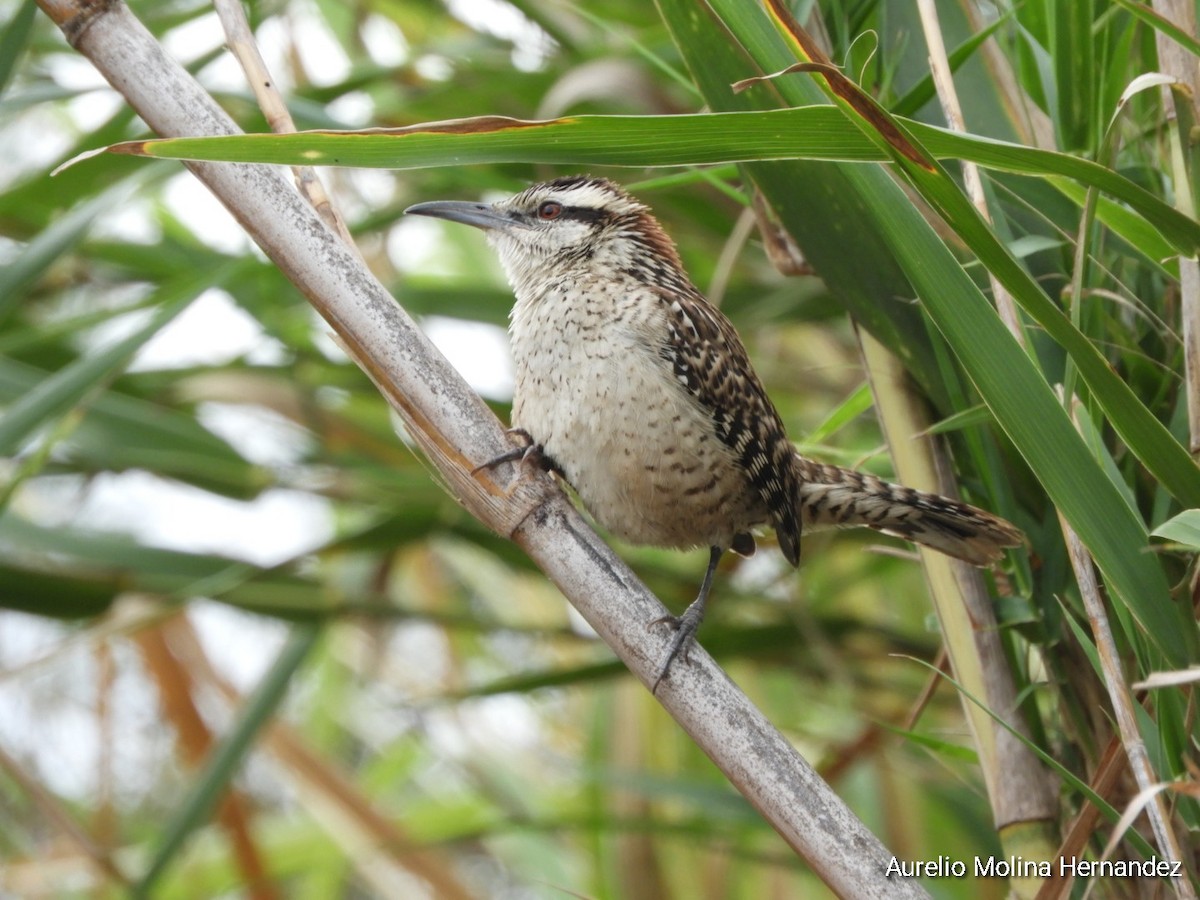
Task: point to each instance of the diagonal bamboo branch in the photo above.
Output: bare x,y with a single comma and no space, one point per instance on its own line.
457,431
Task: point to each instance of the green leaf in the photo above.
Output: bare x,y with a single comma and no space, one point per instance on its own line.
1183,529
938,746
1161,24
57,594
13,39
849,409
60,559
804,132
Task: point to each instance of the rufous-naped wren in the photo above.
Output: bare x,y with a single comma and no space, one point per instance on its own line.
637,391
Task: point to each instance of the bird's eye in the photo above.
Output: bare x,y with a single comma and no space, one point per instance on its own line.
549,210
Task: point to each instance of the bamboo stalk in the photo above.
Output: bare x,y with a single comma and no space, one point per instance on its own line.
1177,62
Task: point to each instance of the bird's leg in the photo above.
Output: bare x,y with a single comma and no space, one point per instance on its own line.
529,453
688,624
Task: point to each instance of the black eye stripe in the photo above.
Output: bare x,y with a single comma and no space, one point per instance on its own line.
583,213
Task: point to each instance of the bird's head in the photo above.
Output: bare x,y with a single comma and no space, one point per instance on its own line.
554,229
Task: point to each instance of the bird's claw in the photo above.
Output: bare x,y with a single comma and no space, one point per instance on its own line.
685,629
529,453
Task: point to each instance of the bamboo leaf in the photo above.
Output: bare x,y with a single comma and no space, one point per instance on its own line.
804,132
1183,529
1162,24
13,39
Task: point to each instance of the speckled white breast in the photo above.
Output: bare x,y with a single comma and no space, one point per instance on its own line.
641,453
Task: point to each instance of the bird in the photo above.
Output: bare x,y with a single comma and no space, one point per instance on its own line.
638,392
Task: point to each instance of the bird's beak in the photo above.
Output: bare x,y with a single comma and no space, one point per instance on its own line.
478,214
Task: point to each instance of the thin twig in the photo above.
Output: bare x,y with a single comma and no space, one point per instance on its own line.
240,40
943,81
1177,62
1122,702
742,229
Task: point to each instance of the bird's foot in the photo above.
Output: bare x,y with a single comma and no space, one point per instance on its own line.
685,628
529,453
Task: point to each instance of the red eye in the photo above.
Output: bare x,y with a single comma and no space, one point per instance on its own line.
549,210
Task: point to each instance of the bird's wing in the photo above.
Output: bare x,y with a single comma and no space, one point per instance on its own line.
709,359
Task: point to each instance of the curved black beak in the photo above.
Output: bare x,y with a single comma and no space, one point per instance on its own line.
478,214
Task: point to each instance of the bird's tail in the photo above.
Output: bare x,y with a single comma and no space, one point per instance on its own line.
831,496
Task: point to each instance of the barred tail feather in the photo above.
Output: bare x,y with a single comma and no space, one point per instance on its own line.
831,496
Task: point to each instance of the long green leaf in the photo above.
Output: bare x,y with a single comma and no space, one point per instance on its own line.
1076,783
117,564
806,132
13,38
1160,23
